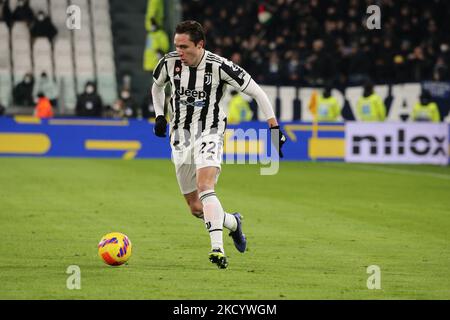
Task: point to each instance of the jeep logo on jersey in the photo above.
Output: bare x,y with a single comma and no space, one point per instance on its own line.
191,93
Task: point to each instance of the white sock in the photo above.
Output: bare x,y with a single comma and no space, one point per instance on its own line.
213,215
229,222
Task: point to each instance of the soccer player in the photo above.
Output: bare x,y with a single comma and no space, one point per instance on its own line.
198,79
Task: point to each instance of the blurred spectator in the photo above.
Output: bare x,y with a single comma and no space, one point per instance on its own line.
89,103
293,68
23,91
359,64
420,64
328,109
264,15
156,46
46,86
155,11
273,72
5,12
23,12
441,70
43,27
370,106
425,109
43,107
238,109
320,64
125,106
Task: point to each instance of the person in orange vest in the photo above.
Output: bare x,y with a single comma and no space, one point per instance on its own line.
43,107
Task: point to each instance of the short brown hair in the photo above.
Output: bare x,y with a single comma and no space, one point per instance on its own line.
193,29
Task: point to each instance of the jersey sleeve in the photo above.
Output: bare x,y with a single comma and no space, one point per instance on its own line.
160,76
234,75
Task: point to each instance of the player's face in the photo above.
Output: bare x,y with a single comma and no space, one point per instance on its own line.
189,52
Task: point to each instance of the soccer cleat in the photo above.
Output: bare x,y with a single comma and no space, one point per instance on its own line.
218,257
240,242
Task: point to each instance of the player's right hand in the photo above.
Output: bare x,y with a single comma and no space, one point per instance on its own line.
278,138
160,126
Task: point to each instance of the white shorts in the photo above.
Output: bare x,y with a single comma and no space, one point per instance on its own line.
207,151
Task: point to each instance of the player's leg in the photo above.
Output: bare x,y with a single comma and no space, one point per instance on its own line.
194,204
230,221
186,177
213,213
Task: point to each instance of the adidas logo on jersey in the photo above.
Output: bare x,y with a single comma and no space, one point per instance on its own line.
191,93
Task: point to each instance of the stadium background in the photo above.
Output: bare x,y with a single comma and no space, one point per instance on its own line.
330,45
291,48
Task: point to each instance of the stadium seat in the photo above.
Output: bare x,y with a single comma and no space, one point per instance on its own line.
102,19
63,58
37,5
21,53
5,88
83,47
105,65
82,35
100,4
102,33
58,11
42,57
107,87
62,47
4,32
5,63
20,30
66,93
84,71
104,48
59,17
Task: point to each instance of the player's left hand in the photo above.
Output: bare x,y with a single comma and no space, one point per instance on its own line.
278,138
160,126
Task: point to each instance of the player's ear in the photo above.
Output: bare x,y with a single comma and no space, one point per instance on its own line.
201,44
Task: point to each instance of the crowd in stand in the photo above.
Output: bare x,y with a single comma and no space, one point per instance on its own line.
39,22
42,93
314,42
284,42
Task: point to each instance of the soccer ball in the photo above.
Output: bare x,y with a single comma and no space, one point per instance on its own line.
114,248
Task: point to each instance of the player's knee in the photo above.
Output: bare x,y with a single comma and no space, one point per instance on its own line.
202,187
197,214
196,208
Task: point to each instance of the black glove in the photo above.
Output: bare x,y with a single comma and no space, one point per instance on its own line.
277,137
160,126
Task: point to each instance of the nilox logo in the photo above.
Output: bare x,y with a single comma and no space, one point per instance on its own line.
399,143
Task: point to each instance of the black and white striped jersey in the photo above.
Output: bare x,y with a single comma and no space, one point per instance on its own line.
196,93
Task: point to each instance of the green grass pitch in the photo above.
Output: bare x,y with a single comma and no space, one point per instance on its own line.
313,229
